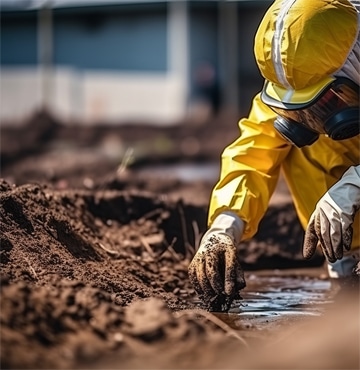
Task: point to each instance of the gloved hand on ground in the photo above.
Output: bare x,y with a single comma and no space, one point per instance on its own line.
215,271
331,223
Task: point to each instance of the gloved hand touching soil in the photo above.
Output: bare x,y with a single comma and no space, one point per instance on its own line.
215,271
331,223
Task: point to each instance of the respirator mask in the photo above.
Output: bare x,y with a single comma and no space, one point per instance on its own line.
331,107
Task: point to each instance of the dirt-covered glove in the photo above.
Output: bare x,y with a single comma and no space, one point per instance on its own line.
331,223
215,271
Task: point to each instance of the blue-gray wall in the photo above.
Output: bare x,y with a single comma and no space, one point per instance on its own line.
118,38
134,38
250,81
18,39
204,45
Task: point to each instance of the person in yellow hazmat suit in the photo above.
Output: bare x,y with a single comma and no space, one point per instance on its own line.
304,122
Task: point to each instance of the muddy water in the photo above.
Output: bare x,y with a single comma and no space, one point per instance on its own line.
276,300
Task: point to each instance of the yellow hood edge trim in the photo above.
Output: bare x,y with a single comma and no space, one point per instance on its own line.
301,96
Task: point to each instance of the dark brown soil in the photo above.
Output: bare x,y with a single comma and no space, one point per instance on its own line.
94,254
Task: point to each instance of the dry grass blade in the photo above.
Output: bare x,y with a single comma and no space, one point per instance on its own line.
170,249
113,253
32,270
215,321
128,156
183,224
147,247
151,214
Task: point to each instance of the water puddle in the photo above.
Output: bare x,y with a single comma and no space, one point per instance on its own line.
281,295
278,301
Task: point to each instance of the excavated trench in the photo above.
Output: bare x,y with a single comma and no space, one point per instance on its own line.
94,259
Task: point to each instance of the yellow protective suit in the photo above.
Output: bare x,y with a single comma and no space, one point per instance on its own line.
251,167
298,43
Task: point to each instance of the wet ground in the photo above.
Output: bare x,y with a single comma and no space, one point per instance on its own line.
276,300
96,239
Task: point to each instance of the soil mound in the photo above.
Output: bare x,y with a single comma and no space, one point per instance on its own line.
94,255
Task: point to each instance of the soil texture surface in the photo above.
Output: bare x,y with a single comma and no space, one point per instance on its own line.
98,227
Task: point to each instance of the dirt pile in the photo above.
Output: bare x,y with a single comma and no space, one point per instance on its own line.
94,260
73,260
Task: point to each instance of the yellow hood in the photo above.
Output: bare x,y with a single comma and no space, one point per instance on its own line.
301,42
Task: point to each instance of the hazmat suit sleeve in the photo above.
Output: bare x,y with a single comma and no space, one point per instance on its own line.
250,169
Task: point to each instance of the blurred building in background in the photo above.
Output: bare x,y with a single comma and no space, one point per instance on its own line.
120,61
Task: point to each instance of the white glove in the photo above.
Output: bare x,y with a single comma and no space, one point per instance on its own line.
331,222
215,271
